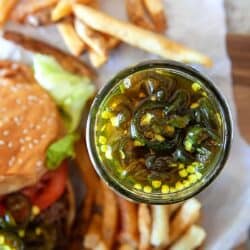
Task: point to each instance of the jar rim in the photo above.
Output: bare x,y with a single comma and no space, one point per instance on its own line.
151,198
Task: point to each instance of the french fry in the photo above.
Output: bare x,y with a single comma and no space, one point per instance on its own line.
129,231
93,235
112,42
173,208
89,177
144,226
94,238
99,202
92,38
89,201
72,205
192,239
137,14
67,61
75,45
24,8
186,216
94,4
64,8
97,60
138,37
101,246
160,226
110,210
126,247
156,11
6,7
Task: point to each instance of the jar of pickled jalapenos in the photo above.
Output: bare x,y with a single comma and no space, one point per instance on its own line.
159,132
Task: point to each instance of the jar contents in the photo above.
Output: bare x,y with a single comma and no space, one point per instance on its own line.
159,131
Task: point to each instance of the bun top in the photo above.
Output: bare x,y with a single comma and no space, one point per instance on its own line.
29,123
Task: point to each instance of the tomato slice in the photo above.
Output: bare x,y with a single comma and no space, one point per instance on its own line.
49,189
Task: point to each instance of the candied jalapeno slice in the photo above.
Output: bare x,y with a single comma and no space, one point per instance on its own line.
123,148
183,156
179,101
155,83
2,223
40,238
159,163
178,121
7,221
120,108
137,169
10,241
121,115
203,154
120,99
196,135
152,136
205,114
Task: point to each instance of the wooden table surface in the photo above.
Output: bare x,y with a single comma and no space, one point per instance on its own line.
239,51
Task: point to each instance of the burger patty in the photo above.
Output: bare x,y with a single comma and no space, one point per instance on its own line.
58,219
53,224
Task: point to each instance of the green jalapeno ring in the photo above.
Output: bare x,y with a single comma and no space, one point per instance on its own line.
137,132
10,241
152,80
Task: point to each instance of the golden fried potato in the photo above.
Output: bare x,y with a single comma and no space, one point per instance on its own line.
6,7
138,37
157,13
144,226
192,239
92,38
187,215
110,210
129,232
137,14
29,7
160,226
74,43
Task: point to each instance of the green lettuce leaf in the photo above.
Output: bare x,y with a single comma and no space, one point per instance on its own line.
60,150
69,91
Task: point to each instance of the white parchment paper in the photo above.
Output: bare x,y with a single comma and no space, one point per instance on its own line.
200,25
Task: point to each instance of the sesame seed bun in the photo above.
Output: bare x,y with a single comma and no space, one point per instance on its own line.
29,123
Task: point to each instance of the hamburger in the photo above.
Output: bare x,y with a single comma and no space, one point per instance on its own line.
40,112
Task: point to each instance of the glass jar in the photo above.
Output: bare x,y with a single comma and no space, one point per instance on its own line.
139,195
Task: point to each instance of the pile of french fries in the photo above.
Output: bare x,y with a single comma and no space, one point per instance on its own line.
111,222
85,28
